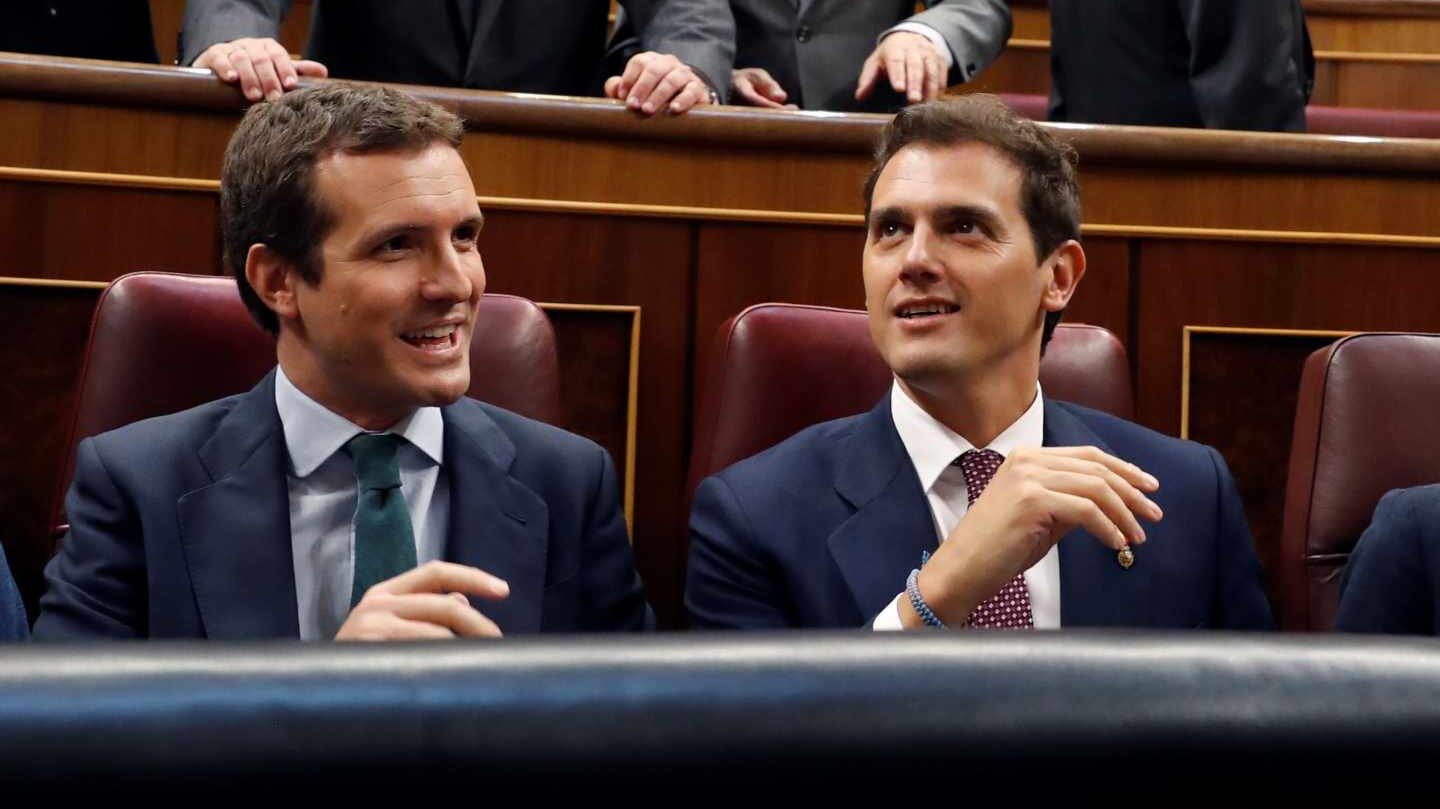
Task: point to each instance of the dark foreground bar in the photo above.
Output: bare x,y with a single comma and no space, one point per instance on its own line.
1118,718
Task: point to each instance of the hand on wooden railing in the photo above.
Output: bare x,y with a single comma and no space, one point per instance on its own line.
261,66
652,81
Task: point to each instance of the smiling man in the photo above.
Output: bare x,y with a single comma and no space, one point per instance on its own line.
354,493
966,498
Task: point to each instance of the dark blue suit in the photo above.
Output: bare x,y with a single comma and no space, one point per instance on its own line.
13,625
821,531
180,527
1390,582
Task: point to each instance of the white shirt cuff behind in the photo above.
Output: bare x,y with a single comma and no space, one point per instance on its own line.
929,33
889,618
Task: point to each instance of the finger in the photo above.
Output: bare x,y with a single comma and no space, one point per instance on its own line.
249,81
268,73
219,64
669,87
1072,510
868,74
1098,491
440,577
692,96
284,66
745,86
312,69
934,79
766,85
385,626
634,69
895,69
649,79
1135,500
612,87
915,76
442,610
1139,477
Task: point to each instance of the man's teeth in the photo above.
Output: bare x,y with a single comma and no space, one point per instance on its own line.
430,334
921,310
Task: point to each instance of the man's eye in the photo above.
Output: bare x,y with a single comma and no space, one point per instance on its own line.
395,244
965,227
467,234
889,229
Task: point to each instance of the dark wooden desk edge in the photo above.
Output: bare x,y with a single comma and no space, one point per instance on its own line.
1345,8
182,89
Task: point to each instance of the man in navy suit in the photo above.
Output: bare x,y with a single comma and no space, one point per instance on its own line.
1392,581
1028,510
354,493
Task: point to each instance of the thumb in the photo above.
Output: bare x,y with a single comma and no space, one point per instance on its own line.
868,74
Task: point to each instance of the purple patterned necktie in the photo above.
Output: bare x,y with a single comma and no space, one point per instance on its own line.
1009,608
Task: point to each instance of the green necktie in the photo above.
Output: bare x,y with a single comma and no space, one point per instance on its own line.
384,540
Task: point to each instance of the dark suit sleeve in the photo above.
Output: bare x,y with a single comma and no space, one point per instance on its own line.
700,33
975,30
208,22
1387,586
728,586
613,594
95,585
1242,67
13,625
1240,600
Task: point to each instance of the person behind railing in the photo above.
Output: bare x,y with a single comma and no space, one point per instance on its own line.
827,54
321,503
1392,581
119,30
535,46
1213,64
13,623
966,497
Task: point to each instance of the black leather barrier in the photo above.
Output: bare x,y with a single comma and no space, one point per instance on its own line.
1075,718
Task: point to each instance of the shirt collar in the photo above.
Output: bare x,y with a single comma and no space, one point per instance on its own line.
932,446
313,432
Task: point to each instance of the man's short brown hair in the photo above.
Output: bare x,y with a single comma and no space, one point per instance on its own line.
1049,187
267,184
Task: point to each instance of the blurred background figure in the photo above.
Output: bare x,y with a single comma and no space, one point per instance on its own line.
830,54
1215,64
118,30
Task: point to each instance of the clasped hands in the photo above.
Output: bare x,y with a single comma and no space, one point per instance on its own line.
1036,497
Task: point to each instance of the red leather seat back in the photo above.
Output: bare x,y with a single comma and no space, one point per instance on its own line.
1367,421
1379,123
777,368
164,342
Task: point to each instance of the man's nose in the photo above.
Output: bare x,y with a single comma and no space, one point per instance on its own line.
920,259
448,277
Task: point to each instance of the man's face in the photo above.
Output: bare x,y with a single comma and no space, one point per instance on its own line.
952,285
387,329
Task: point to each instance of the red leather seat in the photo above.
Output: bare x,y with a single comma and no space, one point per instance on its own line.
1379,123
777,368
164,342
1367,421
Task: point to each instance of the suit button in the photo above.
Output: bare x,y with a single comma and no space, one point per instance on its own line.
803,33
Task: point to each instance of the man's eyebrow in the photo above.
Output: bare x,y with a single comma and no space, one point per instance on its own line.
979,213
889,213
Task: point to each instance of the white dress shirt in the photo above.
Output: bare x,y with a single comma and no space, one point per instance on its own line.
321,481
933,448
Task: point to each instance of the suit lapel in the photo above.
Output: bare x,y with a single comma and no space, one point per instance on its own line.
483,21
496,523
883,541
235,532
1094,589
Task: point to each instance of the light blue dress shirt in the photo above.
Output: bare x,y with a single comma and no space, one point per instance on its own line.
321,482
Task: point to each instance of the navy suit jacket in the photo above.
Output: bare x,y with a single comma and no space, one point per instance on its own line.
180,527
822,530
1390,580
13,625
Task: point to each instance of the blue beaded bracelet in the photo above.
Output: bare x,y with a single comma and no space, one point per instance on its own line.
917,601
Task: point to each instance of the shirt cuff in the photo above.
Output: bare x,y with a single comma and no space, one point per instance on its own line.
929,33
889,618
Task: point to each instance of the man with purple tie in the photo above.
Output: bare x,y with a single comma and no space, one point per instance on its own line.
966,498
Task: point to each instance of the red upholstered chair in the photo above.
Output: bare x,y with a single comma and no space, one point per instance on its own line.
777,368
1366,422
164,342
1379,123
1035,106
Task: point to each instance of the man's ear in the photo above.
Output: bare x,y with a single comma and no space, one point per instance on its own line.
1067,267
274,279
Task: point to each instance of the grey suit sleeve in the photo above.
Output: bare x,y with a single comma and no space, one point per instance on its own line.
975,30
208,22
1242,69
700,33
